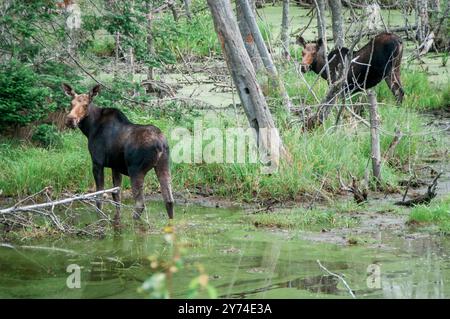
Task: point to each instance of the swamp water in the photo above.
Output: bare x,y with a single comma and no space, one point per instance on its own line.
241,261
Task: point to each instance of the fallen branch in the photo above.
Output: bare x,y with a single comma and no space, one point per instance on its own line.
360,196
31,208
339,277
421,199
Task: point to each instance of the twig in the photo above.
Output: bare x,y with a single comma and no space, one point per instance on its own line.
340,277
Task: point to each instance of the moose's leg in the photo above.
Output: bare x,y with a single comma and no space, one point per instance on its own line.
393,80
99,178
163,172
117,182
394,84
137,187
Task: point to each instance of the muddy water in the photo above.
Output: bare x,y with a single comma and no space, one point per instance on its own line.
241,261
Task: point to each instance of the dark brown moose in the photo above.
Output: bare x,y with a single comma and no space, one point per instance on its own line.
377,60
127,148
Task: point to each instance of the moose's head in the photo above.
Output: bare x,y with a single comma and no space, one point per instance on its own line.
79,104
311,51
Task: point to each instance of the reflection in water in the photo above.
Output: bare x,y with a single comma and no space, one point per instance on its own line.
326,284
241,262
427,254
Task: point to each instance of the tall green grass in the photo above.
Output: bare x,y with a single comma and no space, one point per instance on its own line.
317,158
438,213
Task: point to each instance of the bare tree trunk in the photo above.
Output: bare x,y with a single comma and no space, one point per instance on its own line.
187,9
337,22
172,7
150,46
264,53
285,30
131,62
320,9
244,76
116,49
375,136
249,41
321,28
423,26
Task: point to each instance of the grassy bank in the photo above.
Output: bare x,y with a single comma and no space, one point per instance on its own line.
436,215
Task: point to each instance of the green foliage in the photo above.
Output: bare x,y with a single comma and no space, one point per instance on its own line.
26,23
438,213
23,99
102,47
196,37
47,136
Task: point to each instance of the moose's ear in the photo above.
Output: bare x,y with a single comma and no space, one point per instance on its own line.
319,42
301,41
94,91
68,90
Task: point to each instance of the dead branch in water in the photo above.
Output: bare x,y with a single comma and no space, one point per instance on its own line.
359,195
52,204
23,216
421,199
350,291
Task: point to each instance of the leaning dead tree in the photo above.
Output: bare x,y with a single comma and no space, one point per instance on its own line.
285,30
244,77
264,52
247,35
58,212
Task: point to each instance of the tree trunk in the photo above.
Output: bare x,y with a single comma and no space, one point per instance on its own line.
423,26
249,41
187,9
244,76
375,136
264,53
285,29
150,45
321,28
172,7
116,50
320,9
337,22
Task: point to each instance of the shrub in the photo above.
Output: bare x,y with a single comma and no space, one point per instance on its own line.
47,136
22,98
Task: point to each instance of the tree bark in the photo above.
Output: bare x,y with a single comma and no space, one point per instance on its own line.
249,41
337,22
285,29
320,9
150,45
423,26
116,50
264,53
187,9
375,136
321,28
172,7
244,76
